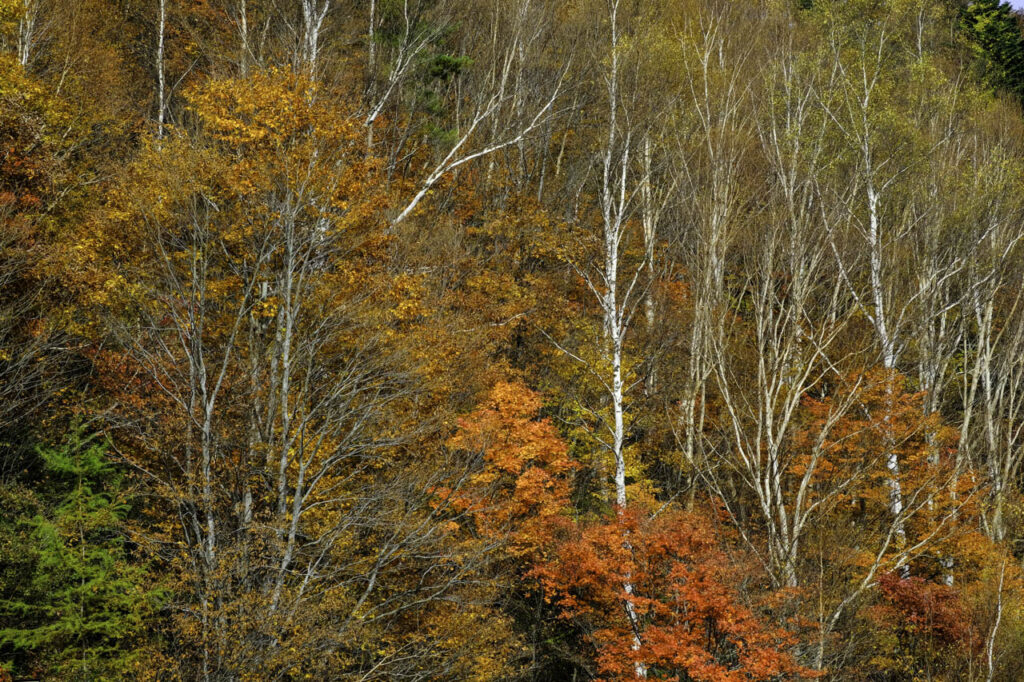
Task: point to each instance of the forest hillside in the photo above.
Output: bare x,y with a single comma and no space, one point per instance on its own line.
539,340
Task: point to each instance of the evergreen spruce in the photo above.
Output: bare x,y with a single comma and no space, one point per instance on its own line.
85,603
994,33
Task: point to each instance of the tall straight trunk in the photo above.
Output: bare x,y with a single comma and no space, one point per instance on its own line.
613,205
243,30
27,27
161,98
887,340
649,221
991,644
371,40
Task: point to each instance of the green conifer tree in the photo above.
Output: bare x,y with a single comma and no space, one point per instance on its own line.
994,33
86,604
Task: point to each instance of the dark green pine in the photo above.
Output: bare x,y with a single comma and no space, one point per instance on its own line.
994,33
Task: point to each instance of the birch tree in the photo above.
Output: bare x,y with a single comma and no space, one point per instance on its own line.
615,282
991,383
713,132
882,152
497,102
791,336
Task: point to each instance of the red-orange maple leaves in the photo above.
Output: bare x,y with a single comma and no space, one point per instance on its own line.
693,623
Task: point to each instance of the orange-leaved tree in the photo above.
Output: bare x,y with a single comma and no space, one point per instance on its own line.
520,489
693,622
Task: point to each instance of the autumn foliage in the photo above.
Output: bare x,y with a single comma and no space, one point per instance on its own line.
694,623
444,340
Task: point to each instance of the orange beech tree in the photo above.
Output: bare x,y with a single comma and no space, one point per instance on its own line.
693,624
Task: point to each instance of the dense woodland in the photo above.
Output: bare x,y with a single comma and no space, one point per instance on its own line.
511,340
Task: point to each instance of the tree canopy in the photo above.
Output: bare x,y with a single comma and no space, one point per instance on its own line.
511,340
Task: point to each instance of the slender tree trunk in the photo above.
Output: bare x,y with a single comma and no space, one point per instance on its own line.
991,647
161,99
27,26
889,348
243,30
613,200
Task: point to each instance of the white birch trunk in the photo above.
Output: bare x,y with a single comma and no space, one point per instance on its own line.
161,96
